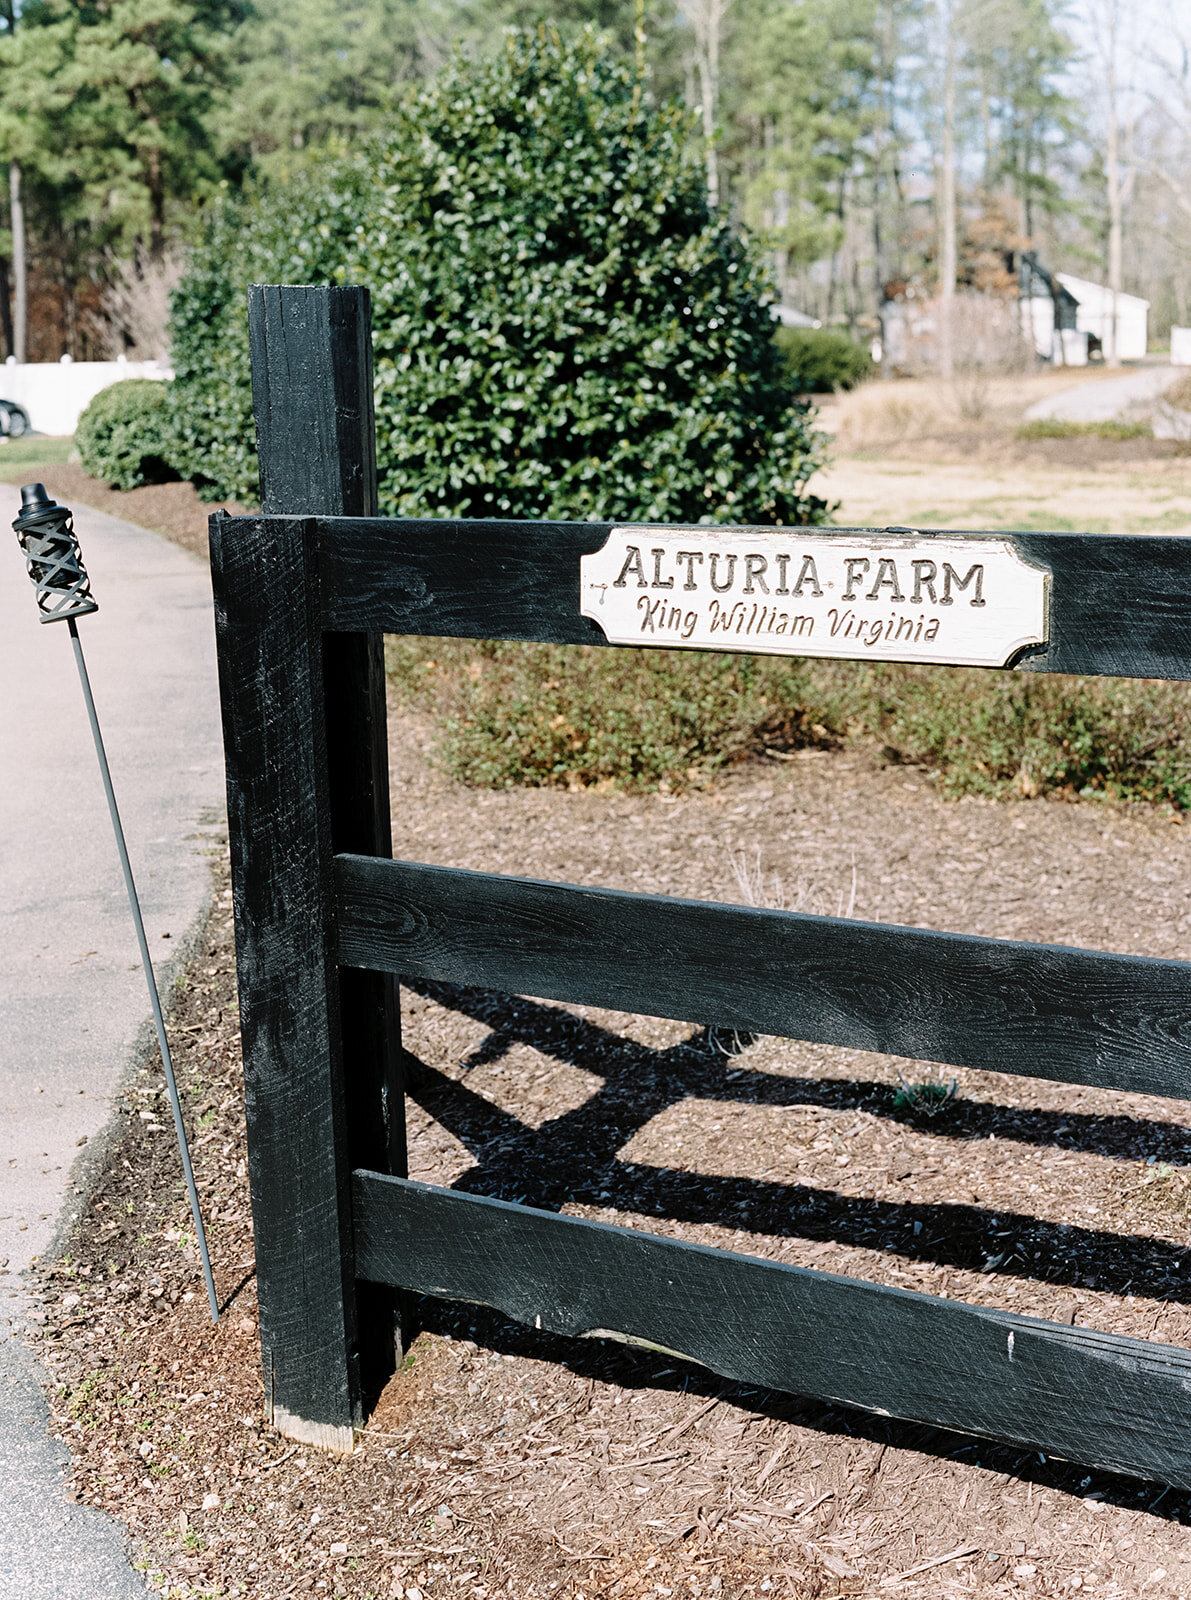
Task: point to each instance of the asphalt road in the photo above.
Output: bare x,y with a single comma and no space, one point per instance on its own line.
73,1006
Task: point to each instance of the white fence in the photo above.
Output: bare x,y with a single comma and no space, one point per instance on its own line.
55,393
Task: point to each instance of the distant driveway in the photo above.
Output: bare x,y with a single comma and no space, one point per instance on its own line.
1107,399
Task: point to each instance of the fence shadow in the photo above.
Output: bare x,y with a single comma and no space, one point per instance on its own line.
573,1157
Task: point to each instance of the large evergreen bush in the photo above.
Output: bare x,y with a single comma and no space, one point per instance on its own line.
561,328
297,232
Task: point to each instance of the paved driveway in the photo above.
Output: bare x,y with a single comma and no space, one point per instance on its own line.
73,1004
1108,399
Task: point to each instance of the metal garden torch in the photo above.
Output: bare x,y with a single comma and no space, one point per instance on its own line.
55,563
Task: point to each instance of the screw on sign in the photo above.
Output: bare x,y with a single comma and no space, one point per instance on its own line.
55,563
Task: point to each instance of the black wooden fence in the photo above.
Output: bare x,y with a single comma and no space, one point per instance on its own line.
304,593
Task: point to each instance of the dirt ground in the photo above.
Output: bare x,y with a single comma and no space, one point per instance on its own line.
170,508
1147,495
500,1461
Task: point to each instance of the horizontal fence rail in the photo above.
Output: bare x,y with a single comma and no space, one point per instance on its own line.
1120,604
1044,1011
1110,1402
325,920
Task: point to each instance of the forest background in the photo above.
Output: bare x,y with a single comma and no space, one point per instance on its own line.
876,147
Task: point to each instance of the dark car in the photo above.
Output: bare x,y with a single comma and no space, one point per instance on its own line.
14,419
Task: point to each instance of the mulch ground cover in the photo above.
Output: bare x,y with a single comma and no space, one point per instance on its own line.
501,1461
170,508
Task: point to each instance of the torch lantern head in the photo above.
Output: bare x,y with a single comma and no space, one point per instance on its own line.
47,536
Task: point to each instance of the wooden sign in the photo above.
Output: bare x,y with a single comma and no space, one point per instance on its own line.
901,596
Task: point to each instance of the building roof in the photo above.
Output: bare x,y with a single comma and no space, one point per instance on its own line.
1086,291
789,317
1035,281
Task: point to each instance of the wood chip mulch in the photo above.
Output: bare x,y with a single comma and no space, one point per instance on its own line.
501,1461
170,508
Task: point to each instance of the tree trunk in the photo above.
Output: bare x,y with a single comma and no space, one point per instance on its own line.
20,280
707,18
947,244
6,306
1112,177
156,205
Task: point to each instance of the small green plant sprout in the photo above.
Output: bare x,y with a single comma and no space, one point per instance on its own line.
925,1099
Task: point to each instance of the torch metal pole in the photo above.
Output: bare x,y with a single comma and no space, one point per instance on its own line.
146,962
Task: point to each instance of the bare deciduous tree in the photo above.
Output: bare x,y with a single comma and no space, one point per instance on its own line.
1106,19
948,255
706,18
136,305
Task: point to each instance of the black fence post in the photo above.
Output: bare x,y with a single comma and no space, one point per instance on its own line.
304,725
312,394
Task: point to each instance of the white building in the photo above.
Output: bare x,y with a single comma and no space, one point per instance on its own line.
1048,314
1097,311
791,317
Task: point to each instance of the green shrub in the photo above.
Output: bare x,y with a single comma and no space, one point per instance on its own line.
561,328
123,437
999,733
296,232
821,360
546,715
579,716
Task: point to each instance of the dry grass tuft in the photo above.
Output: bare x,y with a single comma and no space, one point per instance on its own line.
883,413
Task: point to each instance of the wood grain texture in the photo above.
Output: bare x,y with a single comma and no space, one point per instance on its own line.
312,391
311,350
270,675
1120,605
1046,1011
1118,1404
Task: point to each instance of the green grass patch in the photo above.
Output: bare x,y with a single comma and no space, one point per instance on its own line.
33,450
511,715
1054,428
